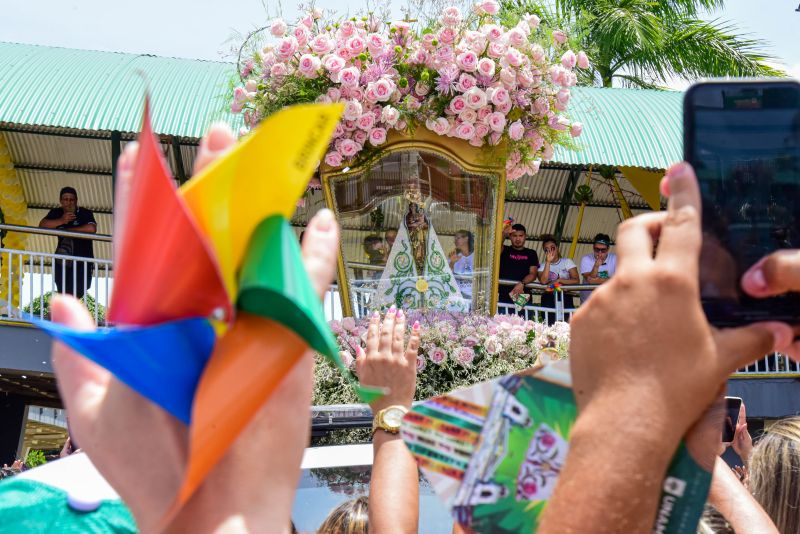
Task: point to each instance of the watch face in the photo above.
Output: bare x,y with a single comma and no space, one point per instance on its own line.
392,417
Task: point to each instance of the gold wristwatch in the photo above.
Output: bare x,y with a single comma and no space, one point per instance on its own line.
389,419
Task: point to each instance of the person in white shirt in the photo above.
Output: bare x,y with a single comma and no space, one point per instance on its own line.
598,267
556,270
462,261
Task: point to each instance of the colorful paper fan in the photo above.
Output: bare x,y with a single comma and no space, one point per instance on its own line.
222,242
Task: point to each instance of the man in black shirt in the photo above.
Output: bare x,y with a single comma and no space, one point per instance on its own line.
72,276
517,263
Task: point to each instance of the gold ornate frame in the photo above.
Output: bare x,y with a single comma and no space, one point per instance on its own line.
470,158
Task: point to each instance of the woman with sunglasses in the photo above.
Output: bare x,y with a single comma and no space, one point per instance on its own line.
599,266
556,270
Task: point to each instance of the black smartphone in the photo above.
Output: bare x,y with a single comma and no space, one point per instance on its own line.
743,140
732,407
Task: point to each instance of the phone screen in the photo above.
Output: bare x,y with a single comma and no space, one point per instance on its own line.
743,139
732,406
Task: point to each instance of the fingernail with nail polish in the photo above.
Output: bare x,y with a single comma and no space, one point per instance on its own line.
399,314
416,325
324,219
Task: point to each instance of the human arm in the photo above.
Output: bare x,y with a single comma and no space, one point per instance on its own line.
731,499
532,276
544,272
742,442
53,221
394,484
625,373
123,433
573,277
590,269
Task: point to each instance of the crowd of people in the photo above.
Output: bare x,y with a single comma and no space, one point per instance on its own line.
647,369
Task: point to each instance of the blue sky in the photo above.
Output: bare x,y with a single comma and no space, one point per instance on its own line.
200,28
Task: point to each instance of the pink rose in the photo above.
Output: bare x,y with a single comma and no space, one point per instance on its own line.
558,75
334,94
486,67
316,13
496,50
466,82
535,140
349,148
569,59
475,98
537,53
437,355
525,77
307,21
458,104
278,28
389,115
468,115
500,96
322,44
444,54
464,356
349,324
495,138
557,122
583,60
427,41
532,20
278,70
547,152
467,61
237,106
576,129
508,77
441,126
487,7
484,112
348,125
360,137
514,57
349,77
333,64
401,26
476,141
516,130
333,159
251,86
447,35
492,31
541,105
421,363
352,110
559,37
465,131
323,99
286,48
366,121
505,107
355,45
383,89
347,358
302,35
347,28
496,121
376,43
451,16
377,136
516,38
481,130
309,65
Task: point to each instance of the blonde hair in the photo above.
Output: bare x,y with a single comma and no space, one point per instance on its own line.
774,475
350,517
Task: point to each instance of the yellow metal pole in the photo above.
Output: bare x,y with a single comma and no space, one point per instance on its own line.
15,210
623,204
576,234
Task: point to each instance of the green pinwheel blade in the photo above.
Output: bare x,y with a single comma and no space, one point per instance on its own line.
273,283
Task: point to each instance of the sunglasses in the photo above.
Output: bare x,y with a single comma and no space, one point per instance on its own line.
596,249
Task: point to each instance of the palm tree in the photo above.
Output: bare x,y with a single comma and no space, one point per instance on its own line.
646,43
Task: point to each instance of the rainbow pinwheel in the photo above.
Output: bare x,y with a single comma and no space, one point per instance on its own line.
211,303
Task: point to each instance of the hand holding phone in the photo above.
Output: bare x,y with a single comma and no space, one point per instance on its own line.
743,140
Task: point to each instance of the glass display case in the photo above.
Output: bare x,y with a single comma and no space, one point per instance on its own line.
421,224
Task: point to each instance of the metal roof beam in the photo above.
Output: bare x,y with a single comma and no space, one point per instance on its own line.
51,168
116,150
180,172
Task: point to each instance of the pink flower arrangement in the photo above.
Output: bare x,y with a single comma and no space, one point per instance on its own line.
468,77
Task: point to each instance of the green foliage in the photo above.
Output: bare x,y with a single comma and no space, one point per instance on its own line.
35,458
646,43
41,307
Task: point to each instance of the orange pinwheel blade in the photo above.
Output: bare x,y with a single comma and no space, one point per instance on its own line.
165,269
251,359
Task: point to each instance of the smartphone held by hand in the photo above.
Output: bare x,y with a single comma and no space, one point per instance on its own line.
732,407
743,139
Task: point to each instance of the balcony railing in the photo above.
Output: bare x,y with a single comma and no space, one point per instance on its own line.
33,273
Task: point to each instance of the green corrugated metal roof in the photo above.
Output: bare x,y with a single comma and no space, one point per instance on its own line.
626,128
88,90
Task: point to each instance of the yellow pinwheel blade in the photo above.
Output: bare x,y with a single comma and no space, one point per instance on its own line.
265,174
